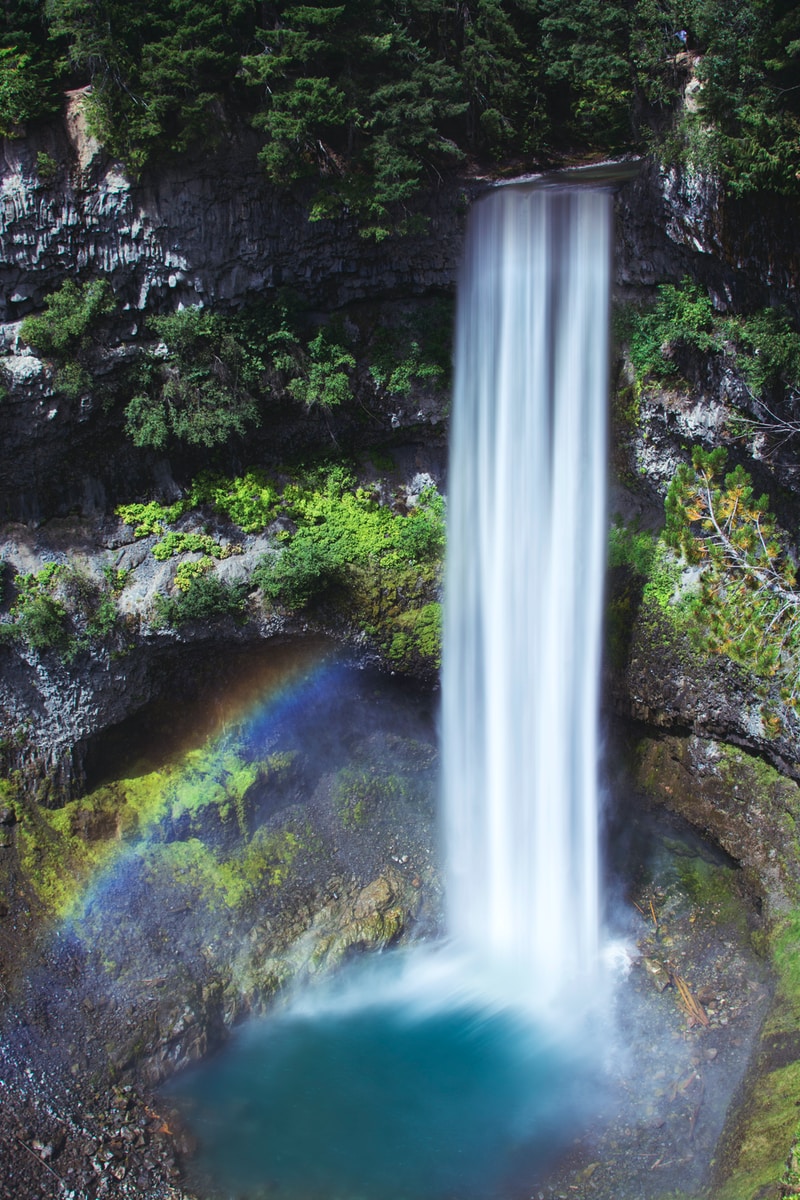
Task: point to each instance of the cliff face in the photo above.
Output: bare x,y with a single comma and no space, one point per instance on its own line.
207,231
211,232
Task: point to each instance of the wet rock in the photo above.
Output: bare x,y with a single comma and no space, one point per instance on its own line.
374,898
657,973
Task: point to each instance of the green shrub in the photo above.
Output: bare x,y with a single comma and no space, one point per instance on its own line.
41,621
174,543
249,501
46,167
631,548
151,518
203,391
748,604
764,346
300,573
381,567
681,316
205,598
60,608
398,378
324,374
72,380
189,570
768,349
70,318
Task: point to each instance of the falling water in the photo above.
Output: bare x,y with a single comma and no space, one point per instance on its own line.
524,585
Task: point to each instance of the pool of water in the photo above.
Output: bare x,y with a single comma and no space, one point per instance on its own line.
387,1098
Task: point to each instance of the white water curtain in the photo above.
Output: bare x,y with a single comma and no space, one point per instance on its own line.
524,584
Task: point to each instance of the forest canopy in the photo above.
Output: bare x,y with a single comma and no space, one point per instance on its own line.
373,99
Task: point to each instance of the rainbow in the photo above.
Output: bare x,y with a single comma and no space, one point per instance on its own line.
78,878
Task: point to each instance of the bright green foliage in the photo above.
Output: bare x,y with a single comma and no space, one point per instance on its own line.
151,518
249,501
191,569
379,567
174,543
59,608
749,604
341,526
382,568
70,317
418,636
202,391
208,789
324,377
116,578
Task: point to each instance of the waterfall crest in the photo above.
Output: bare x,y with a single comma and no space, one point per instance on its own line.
524,585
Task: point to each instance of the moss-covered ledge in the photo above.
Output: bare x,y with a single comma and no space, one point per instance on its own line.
752,811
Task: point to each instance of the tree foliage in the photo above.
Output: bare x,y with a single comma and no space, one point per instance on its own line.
749,604
198,386
750,96
763,346
157,73
373,99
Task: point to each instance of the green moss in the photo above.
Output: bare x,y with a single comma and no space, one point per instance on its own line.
418,636
763,1139
359,791
203,794
711,887
60,849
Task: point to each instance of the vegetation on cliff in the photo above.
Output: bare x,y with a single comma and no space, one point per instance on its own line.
204,378
335,545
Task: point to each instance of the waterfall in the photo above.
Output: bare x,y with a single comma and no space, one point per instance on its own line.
524,585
